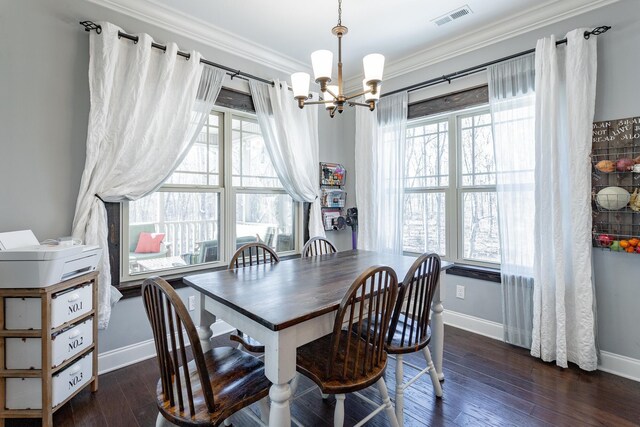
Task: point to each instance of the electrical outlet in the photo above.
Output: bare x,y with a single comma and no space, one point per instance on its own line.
460,291
192,302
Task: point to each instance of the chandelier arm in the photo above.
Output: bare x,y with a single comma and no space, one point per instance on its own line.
358,94
371,105
333,94
318,102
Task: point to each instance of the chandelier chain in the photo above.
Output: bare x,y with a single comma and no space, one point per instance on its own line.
339,12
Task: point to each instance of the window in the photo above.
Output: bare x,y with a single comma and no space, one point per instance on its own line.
225,193
262,206
450,188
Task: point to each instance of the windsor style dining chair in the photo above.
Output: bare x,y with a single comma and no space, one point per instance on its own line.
254,253
208,389
353,358
318,246
409,331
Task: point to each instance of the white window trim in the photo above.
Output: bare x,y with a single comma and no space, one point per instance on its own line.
454,192
226,191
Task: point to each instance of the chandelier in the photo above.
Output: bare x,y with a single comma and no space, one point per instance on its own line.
334,97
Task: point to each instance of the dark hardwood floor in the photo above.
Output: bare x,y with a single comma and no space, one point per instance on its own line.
488,383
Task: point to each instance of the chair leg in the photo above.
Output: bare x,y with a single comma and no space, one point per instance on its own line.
432,372
388,407
399,390
294,384
264,409
338,415
163,422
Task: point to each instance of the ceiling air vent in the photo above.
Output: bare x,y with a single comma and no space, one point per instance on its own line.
453,15
443,20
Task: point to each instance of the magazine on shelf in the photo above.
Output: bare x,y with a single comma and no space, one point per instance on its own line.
333,198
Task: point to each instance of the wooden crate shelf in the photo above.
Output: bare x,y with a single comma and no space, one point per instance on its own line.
45,333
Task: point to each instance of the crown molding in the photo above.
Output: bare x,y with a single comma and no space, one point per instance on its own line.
539,16
196,29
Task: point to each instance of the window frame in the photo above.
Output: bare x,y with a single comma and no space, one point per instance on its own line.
226,205
455,191
231,211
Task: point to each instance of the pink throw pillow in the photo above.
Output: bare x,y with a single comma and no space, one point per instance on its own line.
149,243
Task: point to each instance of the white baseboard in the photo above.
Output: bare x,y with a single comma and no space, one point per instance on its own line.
612,363
619,365
473,324
134,353
125,356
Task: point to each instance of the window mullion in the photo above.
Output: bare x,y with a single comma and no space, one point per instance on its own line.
452,221
229,232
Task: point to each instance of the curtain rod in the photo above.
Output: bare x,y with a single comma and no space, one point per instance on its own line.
482,67
90,25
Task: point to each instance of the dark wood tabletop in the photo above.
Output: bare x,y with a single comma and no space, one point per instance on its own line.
287,293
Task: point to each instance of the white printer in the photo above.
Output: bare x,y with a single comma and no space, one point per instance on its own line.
25,263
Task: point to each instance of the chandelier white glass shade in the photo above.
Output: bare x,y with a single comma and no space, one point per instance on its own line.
322,62
333,95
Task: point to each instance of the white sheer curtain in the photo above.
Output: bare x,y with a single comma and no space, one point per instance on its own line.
512,102
291,137
564,298
366,165
143,120
380,145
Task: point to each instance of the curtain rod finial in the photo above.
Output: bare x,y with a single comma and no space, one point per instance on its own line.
90,25
596,31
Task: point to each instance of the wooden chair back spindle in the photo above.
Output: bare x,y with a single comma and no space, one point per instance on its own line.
414,302
361,324
318,246
168,317
254,253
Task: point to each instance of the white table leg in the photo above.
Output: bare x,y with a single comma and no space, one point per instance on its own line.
280,414
204,330
399,390
280,368
437,332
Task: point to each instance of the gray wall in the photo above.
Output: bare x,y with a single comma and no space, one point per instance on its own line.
618,92
44,106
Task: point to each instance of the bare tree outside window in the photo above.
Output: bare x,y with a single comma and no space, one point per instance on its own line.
465,202
426,175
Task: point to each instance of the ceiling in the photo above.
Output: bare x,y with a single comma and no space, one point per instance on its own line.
283,33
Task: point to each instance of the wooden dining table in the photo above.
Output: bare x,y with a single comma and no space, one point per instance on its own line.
292,303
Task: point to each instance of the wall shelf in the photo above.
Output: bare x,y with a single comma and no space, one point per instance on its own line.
613,140
333,197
